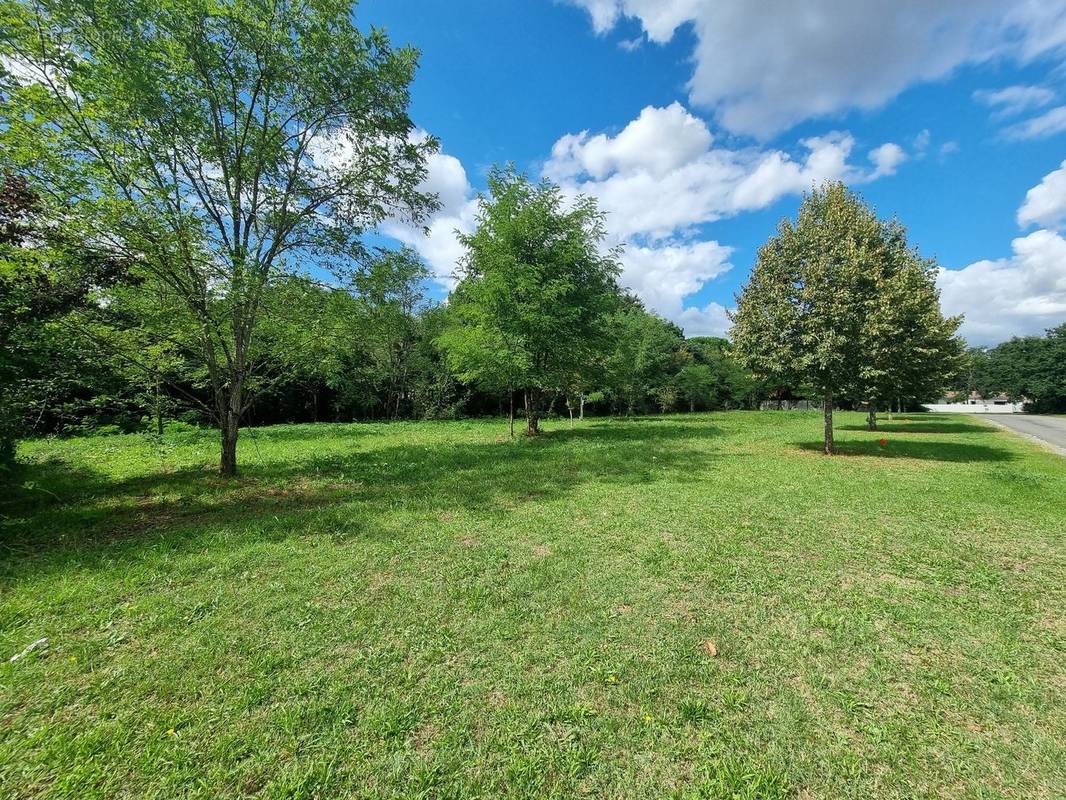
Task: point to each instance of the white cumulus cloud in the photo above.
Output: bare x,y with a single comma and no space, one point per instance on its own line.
887,159
763,67
1045,203
440,247
1020,295
1026,292
657,141
662,275
711,320
663,174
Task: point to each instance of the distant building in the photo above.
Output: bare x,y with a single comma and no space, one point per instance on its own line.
975,403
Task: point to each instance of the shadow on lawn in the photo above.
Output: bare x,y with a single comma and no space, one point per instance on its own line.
920,426
311,432
72,512
926,451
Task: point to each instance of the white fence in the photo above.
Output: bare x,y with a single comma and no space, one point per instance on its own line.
976,408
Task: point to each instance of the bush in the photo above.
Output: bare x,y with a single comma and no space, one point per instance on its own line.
193,418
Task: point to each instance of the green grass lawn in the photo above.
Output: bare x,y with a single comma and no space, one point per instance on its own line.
432,610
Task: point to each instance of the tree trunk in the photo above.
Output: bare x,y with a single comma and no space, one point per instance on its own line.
158,407
691,406
229,423
229,432
532,413
570,410
827,412
510,395
581,408
871,418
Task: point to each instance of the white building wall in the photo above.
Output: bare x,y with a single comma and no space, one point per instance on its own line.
975,408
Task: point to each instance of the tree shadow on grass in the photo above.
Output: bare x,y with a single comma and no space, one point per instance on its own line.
68,511
922,426
925,451
312,432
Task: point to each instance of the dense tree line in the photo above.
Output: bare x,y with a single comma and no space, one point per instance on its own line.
94,350
188,189
1026,368
537,321
93,345
187,192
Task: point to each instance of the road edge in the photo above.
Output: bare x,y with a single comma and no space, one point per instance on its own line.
1054,448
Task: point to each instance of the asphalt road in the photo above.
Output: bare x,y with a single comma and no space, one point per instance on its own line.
1050,430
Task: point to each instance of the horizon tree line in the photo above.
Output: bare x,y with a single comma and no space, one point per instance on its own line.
116,355
185,206
1024,368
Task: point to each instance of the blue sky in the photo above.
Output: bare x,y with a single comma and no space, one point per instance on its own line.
698,124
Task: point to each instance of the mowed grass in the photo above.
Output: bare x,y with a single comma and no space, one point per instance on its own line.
432,610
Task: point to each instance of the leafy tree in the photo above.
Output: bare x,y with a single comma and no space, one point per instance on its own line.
217,145
303,340
1029,367
910,351
391,296
486,351
642,359
1011,366
144,334
800,318
528,312
43,277
435,393
1048,382
697,384
17,207
733,385
973,372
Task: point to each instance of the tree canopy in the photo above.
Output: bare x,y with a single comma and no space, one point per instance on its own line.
837,302
909,348
530,307
215,145
1030,368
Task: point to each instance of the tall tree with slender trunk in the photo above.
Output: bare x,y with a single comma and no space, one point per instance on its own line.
390,299
216,144
911,350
